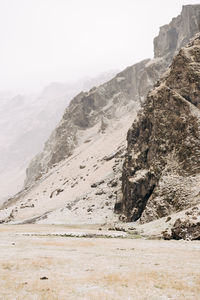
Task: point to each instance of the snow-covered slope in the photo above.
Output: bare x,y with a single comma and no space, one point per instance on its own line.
26,121
77,176
82,188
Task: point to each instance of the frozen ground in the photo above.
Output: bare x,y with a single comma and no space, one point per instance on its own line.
35,264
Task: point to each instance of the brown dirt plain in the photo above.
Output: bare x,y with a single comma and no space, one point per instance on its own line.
94,268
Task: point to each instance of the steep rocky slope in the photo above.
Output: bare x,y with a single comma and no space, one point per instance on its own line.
98,107
77,178
113,99
26,121
161,172
81,189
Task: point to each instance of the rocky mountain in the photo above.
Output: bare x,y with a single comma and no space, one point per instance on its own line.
77,178
98,107
161,172
26,121
113,99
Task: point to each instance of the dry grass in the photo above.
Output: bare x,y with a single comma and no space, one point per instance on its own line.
98,269
93,284
150,282
155,279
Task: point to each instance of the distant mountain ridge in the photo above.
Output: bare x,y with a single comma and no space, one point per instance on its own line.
26,121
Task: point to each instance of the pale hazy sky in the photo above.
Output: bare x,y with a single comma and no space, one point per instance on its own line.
63,40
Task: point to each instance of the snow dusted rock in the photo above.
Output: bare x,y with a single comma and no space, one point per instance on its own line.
187,229
161,172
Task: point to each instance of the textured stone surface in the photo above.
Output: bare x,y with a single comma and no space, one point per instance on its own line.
178,32
186,229
162,166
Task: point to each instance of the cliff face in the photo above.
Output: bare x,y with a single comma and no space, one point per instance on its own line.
161,172
99,106
178,32
115,98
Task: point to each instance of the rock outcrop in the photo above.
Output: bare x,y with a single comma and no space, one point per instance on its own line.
113,99
185,227
178,32
106,102
161,172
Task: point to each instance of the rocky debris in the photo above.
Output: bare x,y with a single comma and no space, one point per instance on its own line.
113,182
94,185
166,234
56,192
66,182
168,219
73,203
114,154
26,205
69,206
87,141
82,167
161,172
99,192
35,219
74,184
117,228
10,217
194,212
187,229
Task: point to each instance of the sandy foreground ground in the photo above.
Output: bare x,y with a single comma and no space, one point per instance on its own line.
37,264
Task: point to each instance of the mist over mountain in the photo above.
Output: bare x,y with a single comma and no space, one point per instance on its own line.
86,174
100,175
26,121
